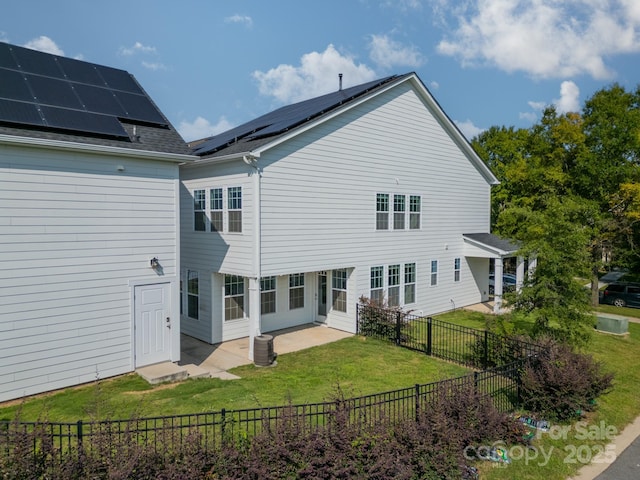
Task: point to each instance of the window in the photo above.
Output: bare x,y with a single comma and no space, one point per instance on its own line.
199,211
377,284
394,285
434,273
339,290
234,205
398,212
267,295
414,212
456,270
215,201
382,211
296,291
181,295
409,283
233,297
193,294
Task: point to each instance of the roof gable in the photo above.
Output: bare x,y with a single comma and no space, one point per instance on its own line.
48,96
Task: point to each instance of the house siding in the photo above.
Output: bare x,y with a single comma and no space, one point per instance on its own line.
75,232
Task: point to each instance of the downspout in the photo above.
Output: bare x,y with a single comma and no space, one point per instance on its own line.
254,281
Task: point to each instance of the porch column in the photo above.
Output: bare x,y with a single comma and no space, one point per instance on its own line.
533,261
497,285
519,274
254,312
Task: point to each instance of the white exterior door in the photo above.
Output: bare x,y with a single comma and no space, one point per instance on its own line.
152,324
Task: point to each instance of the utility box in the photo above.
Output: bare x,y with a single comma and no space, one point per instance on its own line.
610,323
263,354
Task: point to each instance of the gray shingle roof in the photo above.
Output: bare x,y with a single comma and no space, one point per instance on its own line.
493,241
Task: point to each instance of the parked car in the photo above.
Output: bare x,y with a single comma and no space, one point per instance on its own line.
621,294
508,283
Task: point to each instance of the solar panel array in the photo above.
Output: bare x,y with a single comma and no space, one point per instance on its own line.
286,118
42,90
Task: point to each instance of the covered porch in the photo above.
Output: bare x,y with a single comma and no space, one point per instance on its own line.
492,247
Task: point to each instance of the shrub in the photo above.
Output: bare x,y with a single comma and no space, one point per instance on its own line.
377,320
561,383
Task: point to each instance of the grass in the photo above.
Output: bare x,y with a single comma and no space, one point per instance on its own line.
357,365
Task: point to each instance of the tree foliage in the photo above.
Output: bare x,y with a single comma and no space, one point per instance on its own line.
570,194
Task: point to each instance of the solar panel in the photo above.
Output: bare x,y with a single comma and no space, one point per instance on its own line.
20,112
13,86
119,79
40,63
70,94
6,58
287,117
81,72
82,121
139,107
99,100
51,91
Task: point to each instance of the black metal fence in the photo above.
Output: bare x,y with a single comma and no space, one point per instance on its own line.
211,430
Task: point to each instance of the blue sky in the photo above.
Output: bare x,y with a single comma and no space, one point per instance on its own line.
212,64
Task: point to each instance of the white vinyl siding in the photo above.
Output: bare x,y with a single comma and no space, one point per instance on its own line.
75,233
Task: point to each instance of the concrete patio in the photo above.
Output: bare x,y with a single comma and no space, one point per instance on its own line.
200,359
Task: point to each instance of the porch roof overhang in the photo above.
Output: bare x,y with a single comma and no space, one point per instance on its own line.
488,245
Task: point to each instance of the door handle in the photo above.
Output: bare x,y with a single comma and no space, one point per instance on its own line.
168,322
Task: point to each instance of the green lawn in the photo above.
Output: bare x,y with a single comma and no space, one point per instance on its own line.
357,366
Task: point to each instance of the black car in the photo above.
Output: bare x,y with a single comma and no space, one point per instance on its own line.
621,294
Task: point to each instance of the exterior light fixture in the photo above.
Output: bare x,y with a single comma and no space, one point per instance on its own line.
154,262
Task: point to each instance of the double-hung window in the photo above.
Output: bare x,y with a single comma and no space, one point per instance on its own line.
434,273
409,283
393,276
193,294
199,211
339,290
414,212
267,295
456,270
234,206
215,201
398,212
233,297
382,211
296,291
377,284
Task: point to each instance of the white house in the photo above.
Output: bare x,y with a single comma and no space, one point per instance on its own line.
89,242
369,190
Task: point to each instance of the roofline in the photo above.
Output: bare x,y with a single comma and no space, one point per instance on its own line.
412,77
102,149
484,246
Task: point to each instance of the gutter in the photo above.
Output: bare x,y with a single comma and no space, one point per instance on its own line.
98,149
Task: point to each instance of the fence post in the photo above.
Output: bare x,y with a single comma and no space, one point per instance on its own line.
429,334
398,327
475,382
223,423
357,318
485,360
417,400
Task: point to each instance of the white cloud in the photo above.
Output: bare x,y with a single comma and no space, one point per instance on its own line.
544,38
242,19
468,129
389,53
434,85
137,48
529,116
202,128
154,66
569,100
316,75
44,44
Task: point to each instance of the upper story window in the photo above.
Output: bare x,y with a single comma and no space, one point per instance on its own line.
234,206
216,206
434,273
382,211
456,270
199,211
339,290
407,212
398,212
414,212
267,295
